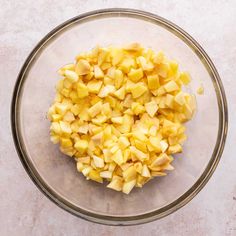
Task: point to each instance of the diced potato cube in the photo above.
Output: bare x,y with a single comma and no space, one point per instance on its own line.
71,76
139,154
129,85
138,89
135,74
171,86
83,129
114,149
100,119
107,155
116,183
98,73
145,171
140,145
137,108
161,160
82,67
128,186
61,108
55,127
117,120
140,136
153,82
118,78
86,170
69,117
155,142
127,64
56,117
106,90
169,101
138,167
153,130
106,174
184,78
120,93
163,69
117,56
174,149
65,127
80,166
102,55
82,90
146,66
89,76
200,90
112,166
164,145
71,67
95,109
130,173
180,99
168,167
98,161
107,132
97,138
173,68
94,86
161,91
123,142
151,108
105,65
127,155
94,175
83,115
159,58
128,101
85,160
66,142
81,146
118,157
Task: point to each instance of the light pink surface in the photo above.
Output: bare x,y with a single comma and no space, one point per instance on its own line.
24,210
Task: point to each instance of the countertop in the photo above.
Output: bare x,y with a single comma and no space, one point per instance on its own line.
24,210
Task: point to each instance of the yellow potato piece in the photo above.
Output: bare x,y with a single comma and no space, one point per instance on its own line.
94,86
153,81
151,108
82,67
98,73
82,90
128,186
171,86
81,146
135,74
200,90
184,77
138,89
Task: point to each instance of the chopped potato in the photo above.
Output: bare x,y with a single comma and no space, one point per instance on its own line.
120,113
200,90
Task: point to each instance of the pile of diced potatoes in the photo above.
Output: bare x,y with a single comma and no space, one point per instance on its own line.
119,111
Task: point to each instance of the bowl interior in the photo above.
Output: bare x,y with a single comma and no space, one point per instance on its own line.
57,171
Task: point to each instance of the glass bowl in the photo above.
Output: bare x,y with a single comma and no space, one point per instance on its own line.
55,174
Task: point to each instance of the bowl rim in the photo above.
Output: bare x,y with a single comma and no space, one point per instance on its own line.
184,198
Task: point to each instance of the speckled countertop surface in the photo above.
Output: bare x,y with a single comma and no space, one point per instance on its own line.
24,210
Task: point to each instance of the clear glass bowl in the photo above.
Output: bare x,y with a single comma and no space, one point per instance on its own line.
55,174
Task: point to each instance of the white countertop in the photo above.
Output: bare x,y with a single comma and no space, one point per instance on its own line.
24,210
